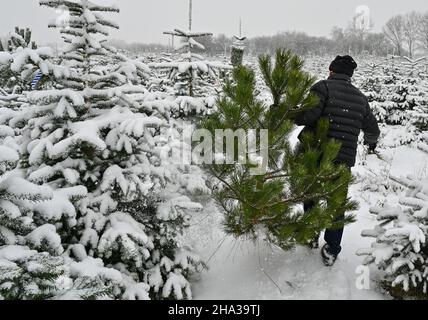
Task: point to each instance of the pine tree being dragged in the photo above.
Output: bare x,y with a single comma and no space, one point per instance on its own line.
269,202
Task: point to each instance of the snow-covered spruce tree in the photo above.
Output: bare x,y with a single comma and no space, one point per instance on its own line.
373,81
404,99
30,249
191,78
412,67
401,246
22,62
31,263
23,68
266,201
396,93
398,100
24,273
378,81
90,133
404,96
401,249
19,38
419,114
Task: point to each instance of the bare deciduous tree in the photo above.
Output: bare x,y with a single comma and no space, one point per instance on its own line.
394,31
423,31
410,30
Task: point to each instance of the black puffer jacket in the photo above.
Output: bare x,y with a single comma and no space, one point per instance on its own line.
348,111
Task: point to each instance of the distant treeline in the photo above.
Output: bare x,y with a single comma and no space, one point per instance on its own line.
137,47
299,42
402,35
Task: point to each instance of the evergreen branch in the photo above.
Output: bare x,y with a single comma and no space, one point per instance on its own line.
236,193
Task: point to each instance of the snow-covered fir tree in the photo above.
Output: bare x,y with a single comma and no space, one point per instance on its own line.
413,67
31,261
20,38
191,78
118,206
401,247
419,113
20,65
404,99
29,249
373,82
397,98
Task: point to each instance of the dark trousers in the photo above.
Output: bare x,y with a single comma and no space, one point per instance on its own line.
333,237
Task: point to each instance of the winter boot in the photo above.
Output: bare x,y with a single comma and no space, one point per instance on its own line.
327,257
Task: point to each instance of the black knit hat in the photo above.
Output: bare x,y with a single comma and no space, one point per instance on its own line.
344,65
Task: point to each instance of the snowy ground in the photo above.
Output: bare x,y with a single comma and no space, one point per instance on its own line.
241,269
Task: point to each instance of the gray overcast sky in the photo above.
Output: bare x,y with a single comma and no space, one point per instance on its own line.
145,20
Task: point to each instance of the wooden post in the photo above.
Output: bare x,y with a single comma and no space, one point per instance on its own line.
190,14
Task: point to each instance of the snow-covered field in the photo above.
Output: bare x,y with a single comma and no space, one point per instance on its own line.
240,269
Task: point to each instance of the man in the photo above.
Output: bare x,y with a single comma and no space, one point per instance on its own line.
349,112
